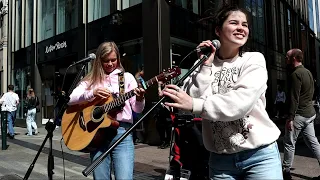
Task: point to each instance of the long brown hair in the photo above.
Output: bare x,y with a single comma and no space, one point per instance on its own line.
96,75
222,15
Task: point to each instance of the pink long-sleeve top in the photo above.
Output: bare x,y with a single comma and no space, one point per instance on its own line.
81,93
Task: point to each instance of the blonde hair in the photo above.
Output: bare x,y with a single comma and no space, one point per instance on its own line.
96,75
30,93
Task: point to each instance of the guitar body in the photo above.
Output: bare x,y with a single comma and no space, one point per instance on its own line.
87,126
82,130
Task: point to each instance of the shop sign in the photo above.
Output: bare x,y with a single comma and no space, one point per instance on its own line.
56,47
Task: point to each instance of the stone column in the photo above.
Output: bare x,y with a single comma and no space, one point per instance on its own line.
5,71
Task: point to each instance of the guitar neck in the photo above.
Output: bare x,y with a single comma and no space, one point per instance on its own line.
123,97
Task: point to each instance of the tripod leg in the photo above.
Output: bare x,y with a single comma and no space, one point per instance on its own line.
50,158
26,176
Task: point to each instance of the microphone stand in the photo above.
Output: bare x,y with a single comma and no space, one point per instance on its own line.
98,161
50,127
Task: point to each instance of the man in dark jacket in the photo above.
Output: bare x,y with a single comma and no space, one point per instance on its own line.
301,111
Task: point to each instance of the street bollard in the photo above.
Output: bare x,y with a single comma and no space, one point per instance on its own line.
4,129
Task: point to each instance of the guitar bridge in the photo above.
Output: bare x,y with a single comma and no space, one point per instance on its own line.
81,122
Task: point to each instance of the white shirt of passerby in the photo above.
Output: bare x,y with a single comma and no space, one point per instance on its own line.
9,101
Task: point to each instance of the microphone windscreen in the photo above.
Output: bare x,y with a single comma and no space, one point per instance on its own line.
216,43
92,56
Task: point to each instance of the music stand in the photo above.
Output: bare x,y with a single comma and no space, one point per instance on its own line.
50,126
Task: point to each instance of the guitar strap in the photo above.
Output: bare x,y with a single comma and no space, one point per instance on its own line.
121,85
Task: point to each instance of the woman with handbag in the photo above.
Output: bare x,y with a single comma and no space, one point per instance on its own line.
31,103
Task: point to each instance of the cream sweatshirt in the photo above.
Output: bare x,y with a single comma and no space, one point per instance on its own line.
230,97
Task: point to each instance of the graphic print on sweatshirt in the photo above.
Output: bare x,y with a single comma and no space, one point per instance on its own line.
228,135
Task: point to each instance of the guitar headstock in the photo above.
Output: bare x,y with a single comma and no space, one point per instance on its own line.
168,74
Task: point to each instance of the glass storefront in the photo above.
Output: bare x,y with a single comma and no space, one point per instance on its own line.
67,15
98,9
56,17
22,82
46,17
128,3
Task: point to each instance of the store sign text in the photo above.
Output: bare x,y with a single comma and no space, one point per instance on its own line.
55,47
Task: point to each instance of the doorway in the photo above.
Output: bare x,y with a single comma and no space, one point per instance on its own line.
56,78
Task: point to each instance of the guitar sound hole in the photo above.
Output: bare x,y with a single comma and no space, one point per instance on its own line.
97,113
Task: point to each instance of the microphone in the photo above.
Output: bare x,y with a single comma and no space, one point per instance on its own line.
206,49
91,56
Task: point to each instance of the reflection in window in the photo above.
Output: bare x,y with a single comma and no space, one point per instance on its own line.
46,16
304,43
28,22
318,17
289,30
255,8
67,15
128,3
191,5
18,17
274,27
282,26
311,19
98,9
22,82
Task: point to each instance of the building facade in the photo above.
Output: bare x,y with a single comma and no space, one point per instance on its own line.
3,45
46,36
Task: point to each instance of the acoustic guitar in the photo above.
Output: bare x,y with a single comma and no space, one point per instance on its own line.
87,125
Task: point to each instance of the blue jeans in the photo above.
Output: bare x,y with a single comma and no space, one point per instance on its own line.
31,116
122,158
261,163
11,118
306,127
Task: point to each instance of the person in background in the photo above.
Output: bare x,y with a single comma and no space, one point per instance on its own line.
301,111
163,121
228,92
32,102
280,102
102,82
10,101
139,76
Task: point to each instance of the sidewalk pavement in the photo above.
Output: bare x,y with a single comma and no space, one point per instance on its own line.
150,162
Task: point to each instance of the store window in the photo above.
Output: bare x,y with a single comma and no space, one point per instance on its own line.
191,5
128,3
131,56
283,31
274,22
46,19
318,17
98,9
289,30
28,22
67,15
22,82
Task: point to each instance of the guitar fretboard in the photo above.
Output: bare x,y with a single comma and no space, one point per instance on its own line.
123,97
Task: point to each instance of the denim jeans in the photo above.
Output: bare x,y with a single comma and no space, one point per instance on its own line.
306,127
31,115
261,163
122,157
11,118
